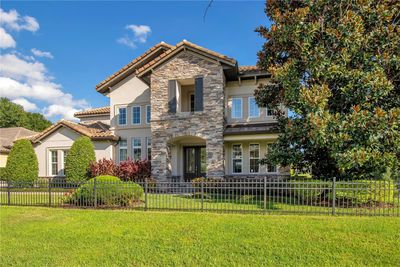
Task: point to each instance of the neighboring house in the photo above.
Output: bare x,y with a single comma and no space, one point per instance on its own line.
189,110
7,138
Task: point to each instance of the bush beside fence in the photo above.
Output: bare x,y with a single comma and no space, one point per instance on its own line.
358,197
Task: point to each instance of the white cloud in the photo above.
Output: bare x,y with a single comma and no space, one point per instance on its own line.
39,53
28,106
140,35
14,21
30,80
141,32
6,40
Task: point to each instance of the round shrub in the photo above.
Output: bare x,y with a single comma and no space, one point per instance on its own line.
22,164
78,160
110,191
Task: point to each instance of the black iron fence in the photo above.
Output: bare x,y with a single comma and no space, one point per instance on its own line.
298,196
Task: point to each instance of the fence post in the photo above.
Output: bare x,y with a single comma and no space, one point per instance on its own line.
265,194
49,191
9,193
95,192
145,194
202,195
334,196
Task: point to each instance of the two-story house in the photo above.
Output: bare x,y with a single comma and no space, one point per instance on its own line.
189,110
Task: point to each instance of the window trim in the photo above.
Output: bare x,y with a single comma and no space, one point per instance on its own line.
140,114
250,158
51,162
241,107
148,147
136,147
232,158
148,114
249,107
122,147
64,156
119,114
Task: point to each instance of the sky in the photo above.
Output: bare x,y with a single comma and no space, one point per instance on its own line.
52,54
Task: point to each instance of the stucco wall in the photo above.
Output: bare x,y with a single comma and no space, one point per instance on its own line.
90,119
63,139
3,159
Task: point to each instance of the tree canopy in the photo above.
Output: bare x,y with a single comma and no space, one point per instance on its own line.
14,115
336,66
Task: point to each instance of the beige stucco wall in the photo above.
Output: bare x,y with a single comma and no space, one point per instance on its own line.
245,89
90,119
3,159
63,139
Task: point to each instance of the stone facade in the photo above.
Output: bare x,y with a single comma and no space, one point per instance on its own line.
207,124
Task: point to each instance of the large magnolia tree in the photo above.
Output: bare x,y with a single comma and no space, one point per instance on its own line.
336,65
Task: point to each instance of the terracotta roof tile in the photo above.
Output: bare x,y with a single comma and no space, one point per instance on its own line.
93,111
9,135
132,63
95,130
177,47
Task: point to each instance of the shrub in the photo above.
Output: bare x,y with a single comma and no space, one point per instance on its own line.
22,164
110,191
131,170
78,160
2,173
207,182
308,191
104,167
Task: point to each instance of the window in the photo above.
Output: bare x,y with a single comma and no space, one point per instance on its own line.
148,148
148,114
270,112
192,103
237,158
136,148
271,168
64,153
237,107
123,150
254,158
54,162
254,111
136,114
121,116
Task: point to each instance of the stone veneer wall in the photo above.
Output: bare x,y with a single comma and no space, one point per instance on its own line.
207,124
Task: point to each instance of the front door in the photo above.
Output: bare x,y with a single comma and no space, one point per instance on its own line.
194,162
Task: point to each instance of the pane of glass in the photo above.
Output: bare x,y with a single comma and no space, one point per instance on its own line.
236,107
190,160
254,111
203,160
192,103
122,116
148,114
136,115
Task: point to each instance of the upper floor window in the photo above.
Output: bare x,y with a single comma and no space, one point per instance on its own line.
136,114
237,107
122,116
148,114
123,150
137,148
254,111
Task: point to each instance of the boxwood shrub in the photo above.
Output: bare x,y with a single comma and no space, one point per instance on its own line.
22,164
78,160
110,191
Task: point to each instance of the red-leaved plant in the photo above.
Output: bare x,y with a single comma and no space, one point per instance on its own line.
128,170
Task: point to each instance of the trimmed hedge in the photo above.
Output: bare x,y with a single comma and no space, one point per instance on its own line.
78,160
2,173
110,191
22,164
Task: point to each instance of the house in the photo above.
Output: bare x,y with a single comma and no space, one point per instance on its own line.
189,110
7,138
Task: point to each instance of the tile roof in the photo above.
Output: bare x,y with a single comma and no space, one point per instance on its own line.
93,111
177,48
96,130
9,135
131,64
245,69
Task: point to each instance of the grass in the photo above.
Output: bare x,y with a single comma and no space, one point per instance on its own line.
65,237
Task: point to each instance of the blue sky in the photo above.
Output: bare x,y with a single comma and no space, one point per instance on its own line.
59,51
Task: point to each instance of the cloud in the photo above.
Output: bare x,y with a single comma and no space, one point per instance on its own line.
141,32
6,40
28,106
39,53
14,21
140,35
30,80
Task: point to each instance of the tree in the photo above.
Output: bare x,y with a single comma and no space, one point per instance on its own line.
13,115
22,164
78,160
336,65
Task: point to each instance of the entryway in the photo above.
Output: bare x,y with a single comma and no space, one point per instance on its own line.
194,158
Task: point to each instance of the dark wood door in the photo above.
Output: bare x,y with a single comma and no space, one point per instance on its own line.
194,162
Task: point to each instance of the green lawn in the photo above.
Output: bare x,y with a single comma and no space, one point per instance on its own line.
70,237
